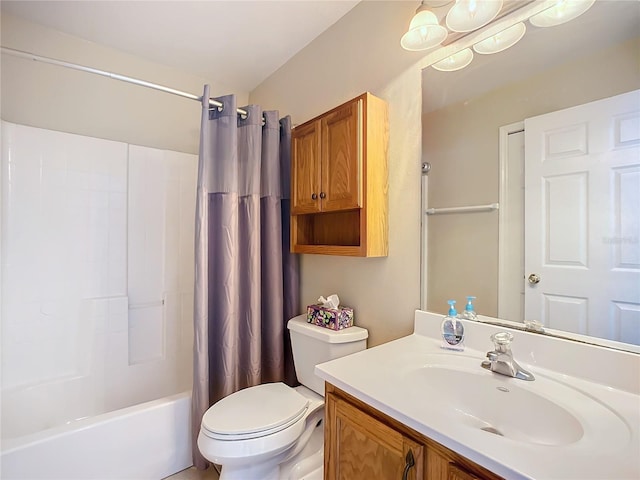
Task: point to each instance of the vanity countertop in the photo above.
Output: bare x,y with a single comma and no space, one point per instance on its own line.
579,420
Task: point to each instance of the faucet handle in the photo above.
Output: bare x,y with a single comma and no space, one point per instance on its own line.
502,341
492,356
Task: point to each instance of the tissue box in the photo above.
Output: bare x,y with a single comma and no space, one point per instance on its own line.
333,318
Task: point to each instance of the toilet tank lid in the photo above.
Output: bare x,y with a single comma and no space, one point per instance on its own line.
351,334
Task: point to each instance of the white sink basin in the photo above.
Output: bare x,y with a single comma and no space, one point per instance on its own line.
488,404
542,412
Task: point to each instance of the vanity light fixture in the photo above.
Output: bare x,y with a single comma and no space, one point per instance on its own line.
424,30
502,40
457,61
469,15
562,12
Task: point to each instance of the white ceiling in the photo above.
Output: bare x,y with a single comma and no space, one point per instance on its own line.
236,43
239,43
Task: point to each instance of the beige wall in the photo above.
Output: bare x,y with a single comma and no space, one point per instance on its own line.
461,143
362,53
57,98
359,53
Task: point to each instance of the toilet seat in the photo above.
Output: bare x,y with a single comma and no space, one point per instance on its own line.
254,412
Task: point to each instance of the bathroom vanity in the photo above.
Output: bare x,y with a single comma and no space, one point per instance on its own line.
409,409
362,442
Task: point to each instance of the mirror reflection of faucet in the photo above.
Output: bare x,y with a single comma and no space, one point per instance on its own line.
500,360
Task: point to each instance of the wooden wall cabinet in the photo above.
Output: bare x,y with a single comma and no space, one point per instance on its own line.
362,443
339,181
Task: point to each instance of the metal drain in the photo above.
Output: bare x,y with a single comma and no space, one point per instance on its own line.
493,430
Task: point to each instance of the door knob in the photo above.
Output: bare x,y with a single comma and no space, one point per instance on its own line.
534,279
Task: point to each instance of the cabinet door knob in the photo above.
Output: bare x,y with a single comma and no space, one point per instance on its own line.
314,196
409,462
323,195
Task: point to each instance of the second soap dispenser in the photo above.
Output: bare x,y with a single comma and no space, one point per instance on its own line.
469,312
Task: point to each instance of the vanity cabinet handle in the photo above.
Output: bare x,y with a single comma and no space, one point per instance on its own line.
314,196
409,462
323,195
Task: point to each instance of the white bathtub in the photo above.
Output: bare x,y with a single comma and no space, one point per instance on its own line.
147,441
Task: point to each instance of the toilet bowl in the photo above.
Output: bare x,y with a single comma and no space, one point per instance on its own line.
273,431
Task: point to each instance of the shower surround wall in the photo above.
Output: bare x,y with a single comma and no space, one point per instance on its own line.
97,277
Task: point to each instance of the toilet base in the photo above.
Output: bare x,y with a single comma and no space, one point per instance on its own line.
305,465
264,472
309,463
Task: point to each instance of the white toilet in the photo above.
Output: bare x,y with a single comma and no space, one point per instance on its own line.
273,431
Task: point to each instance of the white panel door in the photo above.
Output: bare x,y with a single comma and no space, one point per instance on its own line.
582,211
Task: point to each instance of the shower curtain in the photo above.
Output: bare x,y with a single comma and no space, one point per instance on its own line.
246,281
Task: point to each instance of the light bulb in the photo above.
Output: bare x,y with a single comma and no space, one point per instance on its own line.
562,12
424,32
457,61
468,15
502,40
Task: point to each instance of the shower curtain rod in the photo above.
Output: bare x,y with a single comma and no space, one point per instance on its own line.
114,76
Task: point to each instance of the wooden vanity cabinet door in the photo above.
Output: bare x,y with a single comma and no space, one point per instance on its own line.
361,447
454,472
341,165
305,170
361,443
441,466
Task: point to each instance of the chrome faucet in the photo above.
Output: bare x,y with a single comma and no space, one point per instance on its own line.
501,359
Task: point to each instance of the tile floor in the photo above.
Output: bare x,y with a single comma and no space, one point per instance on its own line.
195,474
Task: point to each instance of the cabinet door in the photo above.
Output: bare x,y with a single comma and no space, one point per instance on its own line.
362,448
305,169
342,158
458,473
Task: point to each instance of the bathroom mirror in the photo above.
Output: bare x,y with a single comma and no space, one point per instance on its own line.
466,117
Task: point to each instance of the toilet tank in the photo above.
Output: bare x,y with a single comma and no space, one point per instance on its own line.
312,345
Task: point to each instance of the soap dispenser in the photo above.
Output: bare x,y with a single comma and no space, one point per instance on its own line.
469,312
452,329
